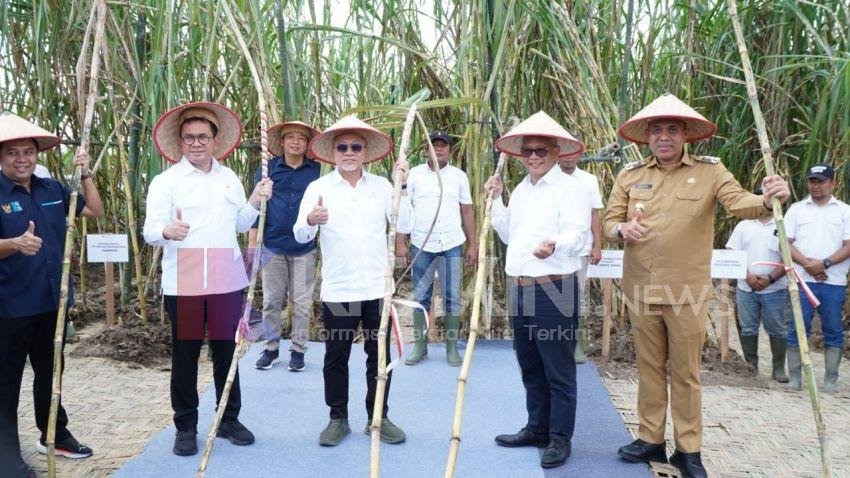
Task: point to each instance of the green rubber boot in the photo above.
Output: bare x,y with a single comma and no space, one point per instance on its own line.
452,323
580,356
420,347
795,364
832,358
750,347
777,348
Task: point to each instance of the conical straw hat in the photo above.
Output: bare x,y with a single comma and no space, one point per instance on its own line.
166,133
278,131
14,127
539,124
666,106
378,144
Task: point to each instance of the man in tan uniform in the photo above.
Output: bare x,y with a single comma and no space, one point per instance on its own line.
662,208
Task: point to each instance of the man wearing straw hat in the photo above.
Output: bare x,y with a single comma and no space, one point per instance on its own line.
351,208
545,226
592,251
288,265
662,208
33,213
194,210
441,254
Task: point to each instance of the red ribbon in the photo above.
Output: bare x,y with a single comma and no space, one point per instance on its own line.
809,294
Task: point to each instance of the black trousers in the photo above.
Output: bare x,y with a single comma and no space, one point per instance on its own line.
341,321
544,320
21,337
219,313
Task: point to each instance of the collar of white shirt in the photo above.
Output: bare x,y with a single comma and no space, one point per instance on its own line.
809,200
337,177
184,167
553,176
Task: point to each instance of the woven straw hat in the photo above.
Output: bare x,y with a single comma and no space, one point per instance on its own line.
166,133
378,144
14,127
278,131
666,106
539,124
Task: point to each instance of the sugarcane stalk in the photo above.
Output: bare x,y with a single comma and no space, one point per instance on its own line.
56,393
793,290
378,408
483,235
242,343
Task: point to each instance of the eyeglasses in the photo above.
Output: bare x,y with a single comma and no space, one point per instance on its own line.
189,139
540,152
343,147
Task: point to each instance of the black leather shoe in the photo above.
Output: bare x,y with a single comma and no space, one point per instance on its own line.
688,464
524,438
640,451
556,453
186,442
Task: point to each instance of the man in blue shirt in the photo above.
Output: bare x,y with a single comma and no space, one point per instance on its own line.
288,265
33,214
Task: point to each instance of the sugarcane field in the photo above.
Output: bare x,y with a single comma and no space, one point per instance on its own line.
536,238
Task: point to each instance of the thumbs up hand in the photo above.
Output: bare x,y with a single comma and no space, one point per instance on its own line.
633,230
177,230
28,243
319,214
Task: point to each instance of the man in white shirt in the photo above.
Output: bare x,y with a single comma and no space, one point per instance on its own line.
818,229
545,226
194,210
351,208
442,252
592,251
762,297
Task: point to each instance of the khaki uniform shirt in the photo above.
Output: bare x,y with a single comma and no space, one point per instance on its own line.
671,264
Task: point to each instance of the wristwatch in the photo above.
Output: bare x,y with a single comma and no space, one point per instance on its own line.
618,232
827,263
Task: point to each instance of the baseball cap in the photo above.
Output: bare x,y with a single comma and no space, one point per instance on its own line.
821,171
440,135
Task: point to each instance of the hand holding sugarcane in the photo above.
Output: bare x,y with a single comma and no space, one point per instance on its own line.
494,185
262,191
774,186
82,160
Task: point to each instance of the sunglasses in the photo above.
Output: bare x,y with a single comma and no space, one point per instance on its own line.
343,147
540,152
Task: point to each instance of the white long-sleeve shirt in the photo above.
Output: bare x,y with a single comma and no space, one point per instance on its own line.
354,240
424,192
554,208
208,260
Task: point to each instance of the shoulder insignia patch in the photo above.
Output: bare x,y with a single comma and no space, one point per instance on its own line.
708,159
634,164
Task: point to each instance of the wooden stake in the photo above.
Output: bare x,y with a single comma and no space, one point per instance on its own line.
608,307
725,312
110,294
793,290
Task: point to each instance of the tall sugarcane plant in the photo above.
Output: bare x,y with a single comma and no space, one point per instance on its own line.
98,12
793,290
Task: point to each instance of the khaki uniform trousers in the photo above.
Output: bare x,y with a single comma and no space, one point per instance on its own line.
674,333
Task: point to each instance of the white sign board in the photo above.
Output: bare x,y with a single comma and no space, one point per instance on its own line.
728,264
725,264
610,267
107,248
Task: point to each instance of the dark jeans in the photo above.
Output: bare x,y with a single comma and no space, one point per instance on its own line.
19,337
544,318
341,320
220,313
